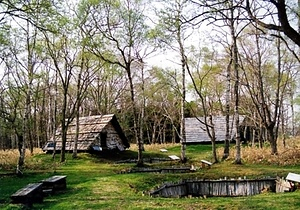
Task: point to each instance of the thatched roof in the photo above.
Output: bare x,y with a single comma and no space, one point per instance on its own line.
90,129
195,131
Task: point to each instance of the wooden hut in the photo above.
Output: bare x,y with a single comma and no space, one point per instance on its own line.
98,133
195,131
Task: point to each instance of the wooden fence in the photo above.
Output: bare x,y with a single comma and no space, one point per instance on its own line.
232,188
148,160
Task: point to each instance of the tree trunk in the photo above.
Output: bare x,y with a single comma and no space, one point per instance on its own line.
140,161
253,137
36,137
214,150
142,116
293,110
164,132
272,134
213,139
78,93
64,139
154,132
22,150
261,136
74,155
64,127
42,127
28,118
182,106
54,116
227,135
173,134
273,140
283,129
238,159
182,122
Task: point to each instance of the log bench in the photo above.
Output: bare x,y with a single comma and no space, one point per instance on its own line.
54,183
32,193
205,163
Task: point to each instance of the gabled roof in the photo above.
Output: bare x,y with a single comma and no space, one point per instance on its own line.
195,131
89,129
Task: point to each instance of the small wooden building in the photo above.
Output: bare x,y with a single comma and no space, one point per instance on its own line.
196,132
96,133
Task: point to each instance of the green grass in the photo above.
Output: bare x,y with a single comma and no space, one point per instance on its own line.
95,182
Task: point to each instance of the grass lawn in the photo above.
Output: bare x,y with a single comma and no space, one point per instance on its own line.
95,182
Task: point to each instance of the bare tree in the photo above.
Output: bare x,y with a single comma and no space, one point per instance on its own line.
267,77
227,14
117,36
174,27
262,11
85,77
235,61
64,63
205,93
164,102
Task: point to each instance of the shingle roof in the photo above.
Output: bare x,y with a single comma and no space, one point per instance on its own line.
195,131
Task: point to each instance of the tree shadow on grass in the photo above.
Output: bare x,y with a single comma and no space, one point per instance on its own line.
115,156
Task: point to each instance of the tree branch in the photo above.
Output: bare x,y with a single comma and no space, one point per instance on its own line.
282,17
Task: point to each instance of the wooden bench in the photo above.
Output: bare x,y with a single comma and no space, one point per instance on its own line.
205,163
32,193
54,183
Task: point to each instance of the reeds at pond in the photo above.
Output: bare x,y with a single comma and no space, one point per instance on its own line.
287,155
9,158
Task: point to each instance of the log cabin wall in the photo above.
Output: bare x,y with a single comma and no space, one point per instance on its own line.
113,140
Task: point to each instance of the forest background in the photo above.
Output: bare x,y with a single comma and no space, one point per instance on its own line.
64,59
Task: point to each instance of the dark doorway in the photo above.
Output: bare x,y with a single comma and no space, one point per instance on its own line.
103,136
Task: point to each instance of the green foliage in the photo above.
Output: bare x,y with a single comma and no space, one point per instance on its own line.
4,34
208,72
